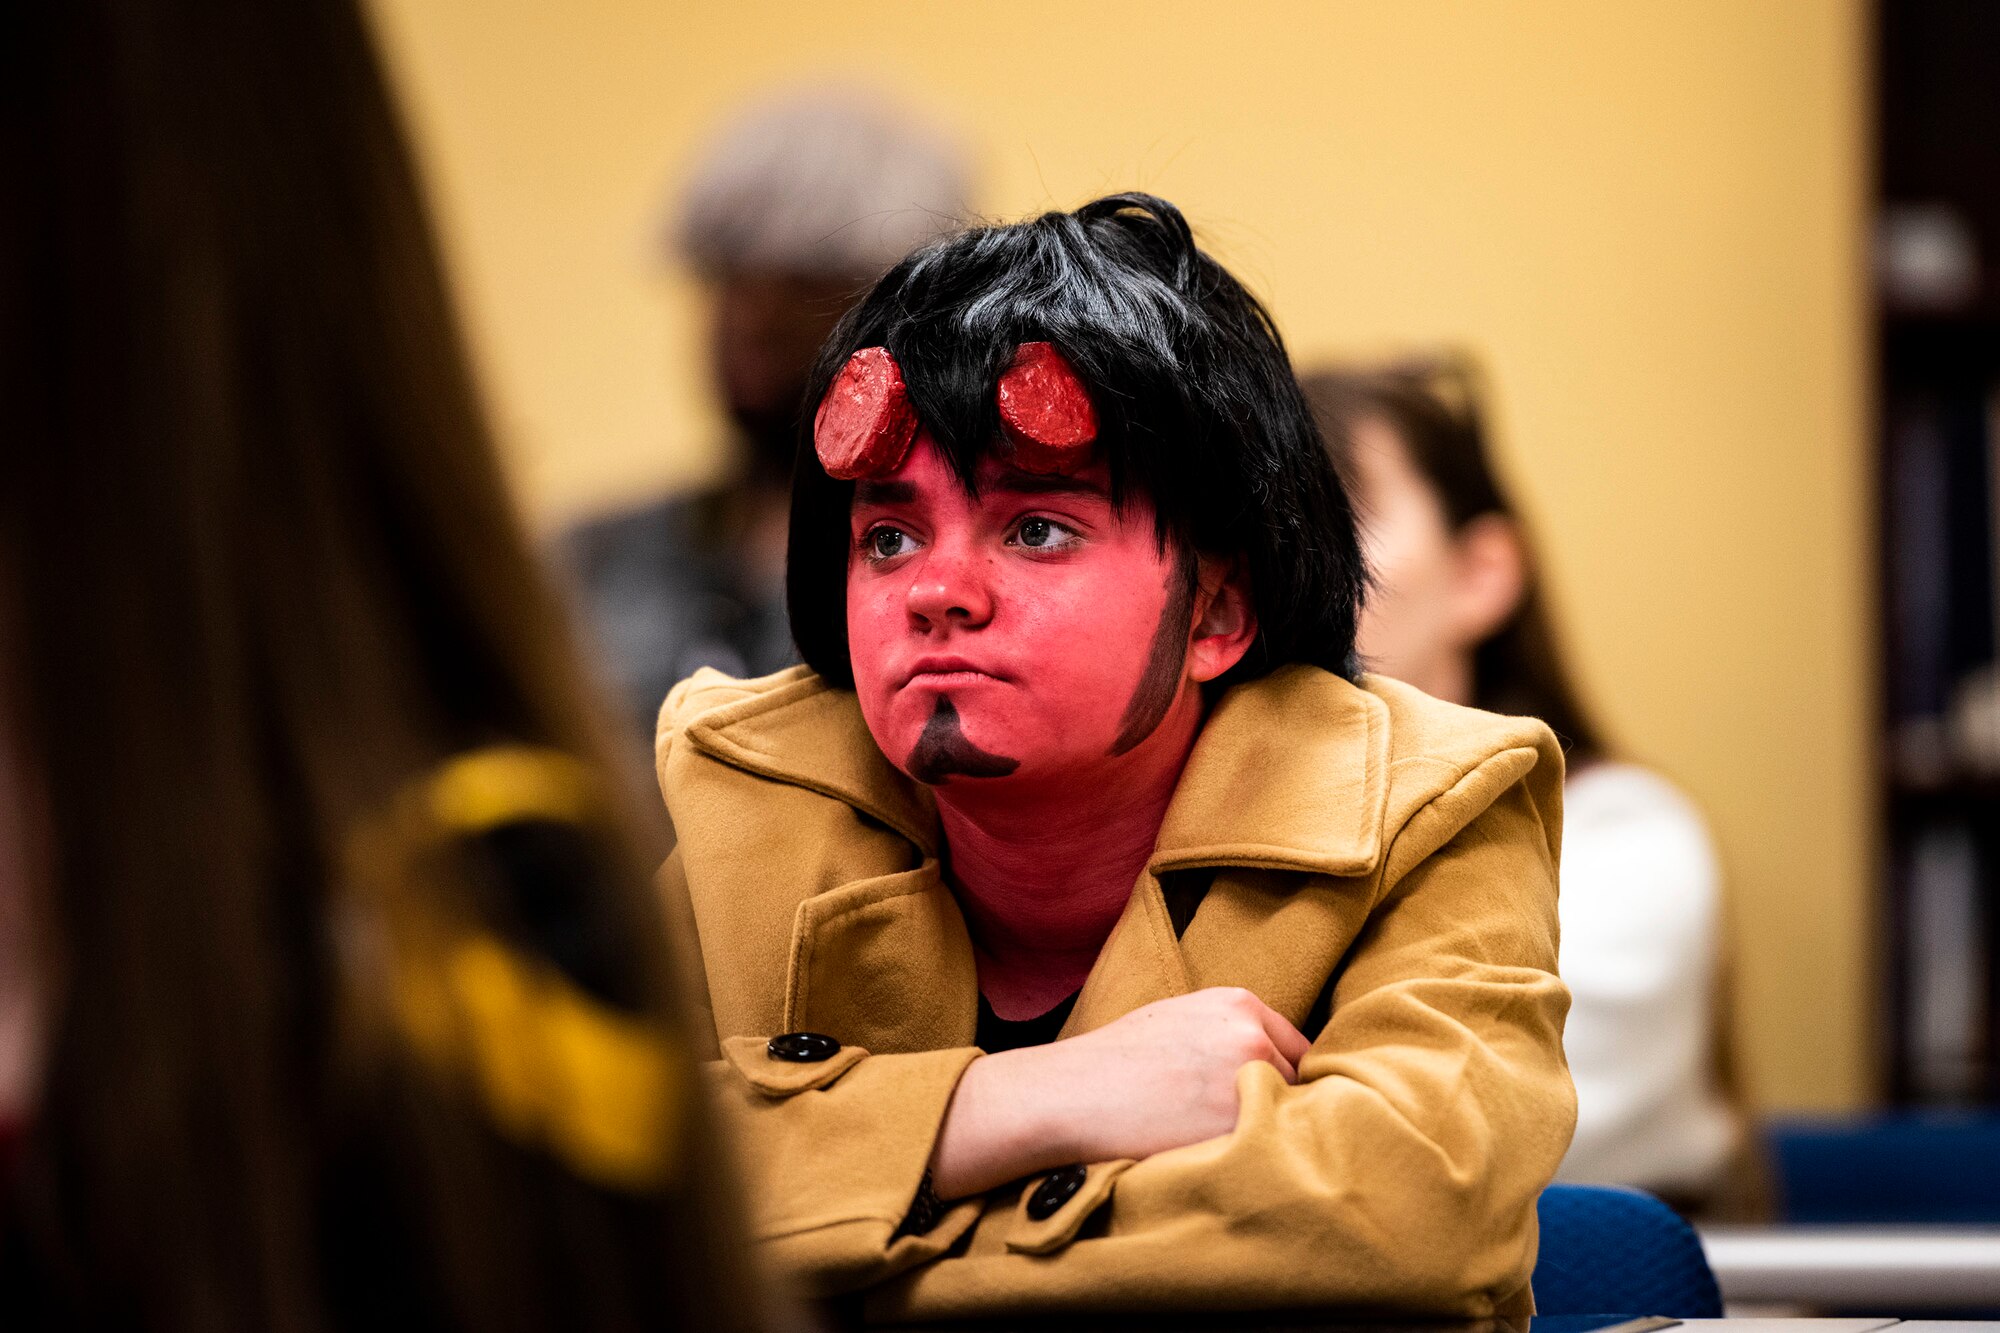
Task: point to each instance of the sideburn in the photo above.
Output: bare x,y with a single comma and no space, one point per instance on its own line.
1165,662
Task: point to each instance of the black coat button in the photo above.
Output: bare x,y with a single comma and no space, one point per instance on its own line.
1057,1188
802,1048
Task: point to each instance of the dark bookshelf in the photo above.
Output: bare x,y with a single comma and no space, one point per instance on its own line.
1937,363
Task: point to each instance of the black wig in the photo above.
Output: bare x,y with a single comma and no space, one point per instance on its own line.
1197,407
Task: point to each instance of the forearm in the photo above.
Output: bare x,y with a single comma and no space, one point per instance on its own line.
1001,1125
1313,1201
1161,1077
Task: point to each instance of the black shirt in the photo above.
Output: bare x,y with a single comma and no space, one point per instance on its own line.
997,1034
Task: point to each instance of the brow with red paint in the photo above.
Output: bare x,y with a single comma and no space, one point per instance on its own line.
1007,481
884,493
1012,481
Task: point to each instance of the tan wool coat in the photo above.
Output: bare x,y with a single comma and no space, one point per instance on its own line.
1377,866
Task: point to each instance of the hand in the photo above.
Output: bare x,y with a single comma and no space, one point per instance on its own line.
1160,1077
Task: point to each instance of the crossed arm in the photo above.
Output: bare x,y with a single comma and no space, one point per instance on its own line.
1160,1077
1433,1104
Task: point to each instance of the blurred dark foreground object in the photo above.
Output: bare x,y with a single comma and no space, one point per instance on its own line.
350,1002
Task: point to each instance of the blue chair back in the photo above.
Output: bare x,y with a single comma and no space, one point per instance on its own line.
1619,1251
1938,1168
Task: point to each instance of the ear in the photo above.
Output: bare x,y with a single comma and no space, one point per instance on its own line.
1492,577
1225,617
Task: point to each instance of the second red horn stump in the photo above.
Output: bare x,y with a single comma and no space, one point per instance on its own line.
1045,411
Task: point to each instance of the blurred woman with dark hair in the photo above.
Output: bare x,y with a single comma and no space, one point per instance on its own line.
1457,609
337,991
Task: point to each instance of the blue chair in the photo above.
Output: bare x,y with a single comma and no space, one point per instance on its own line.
1619,1251
1937,1167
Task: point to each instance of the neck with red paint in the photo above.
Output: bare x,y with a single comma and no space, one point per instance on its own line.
1043,869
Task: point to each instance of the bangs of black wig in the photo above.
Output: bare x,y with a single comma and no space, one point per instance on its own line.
1198,411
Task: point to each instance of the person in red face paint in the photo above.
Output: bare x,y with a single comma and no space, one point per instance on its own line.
1033,636
1079,927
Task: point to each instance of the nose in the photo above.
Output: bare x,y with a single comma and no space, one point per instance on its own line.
951,589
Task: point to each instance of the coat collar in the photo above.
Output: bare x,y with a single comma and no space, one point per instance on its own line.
1290,774
805,732
1313,803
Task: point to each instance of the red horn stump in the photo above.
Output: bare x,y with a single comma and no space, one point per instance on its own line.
865,423
1045,412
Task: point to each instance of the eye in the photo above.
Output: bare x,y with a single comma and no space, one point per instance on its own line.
1043,534
886,543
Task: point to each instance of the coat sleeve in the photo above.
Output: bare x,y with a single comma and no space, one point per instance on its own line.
834,1152
1402,1171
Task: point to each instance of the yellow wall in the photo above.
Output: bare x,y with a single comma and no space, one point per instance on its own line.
1648,217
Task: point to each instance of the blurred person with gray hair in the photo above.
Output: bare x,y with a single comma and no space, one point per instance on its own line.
793,209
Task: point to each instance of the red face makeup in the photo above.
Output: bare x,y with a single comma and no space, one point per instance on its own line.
1028,635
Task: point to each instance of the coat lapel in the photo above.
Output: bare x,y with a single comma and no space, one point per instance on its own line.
1290,773
1139,964
1275,934
808,734
884,963
1293,830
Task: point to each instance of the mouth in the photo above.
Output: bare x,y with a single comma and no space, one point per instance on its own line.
939,672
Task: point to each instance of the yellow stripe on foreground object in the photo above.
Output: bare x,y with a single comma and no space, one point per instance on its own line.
552,1065
555,1067
483,789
